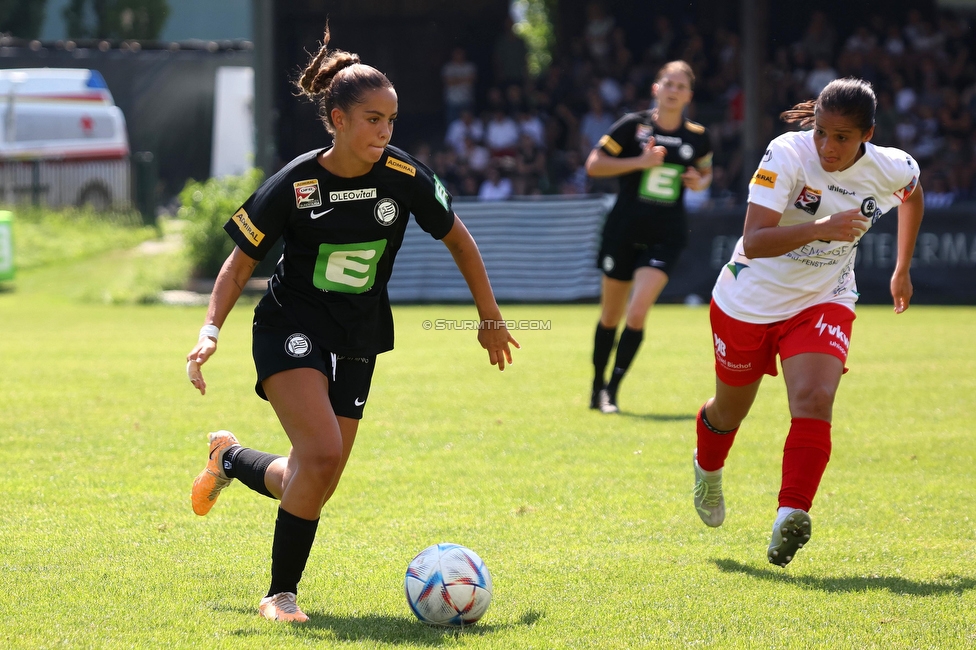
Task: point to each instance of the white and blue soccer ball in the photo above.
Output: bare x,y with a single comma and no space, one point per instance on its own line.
448,584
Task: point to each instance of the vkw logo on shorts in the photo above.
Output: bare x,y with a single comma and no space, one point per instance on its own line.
719,346
386,212
298,346
608,264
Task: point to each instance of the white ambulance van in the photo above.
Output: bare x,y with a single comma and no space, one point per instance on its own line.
63,140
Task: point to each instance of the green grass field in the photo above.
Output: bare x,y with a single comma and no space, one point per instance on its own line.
585,521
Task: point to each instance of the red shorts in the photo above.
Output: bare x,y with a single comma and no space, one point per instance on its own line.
744,352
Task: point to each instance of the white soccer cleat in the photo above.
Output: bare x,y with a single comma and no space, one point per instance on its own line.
709,500
790,533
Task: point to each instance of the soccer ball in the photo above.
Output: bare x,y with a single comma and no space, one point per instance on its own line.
448,584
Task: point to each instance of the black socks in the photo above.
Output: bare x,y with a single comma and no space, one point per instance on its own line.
630,341
293,539
248,466
602,346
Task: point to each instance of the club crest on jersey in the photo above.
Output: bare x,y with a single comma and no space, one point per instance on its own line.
809,200
307,194
644,132
870,209
905,192
686,151
386,212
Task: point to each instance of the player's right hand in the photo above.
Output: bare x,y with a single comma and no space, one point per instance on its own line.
653,155
848,225
202,351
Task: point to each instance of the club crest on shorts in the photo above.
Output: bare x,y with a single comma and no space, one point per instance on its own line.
608,264
298,346
386,212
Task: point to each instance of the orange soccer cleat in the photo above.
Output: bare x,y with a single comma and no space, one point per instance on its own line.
208,483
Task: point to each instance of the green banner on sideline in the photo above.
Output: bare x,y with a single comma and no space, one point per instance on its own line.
6,245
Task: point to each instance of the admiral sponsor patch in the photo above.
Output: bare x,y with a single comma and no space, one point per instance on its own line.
764,177
401,166
809,200
610,145
244,224
352,195
307,194
906,191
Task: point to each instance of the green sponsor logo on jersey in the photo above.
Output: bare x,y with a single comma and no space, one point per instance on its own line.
662,184
440,192
347,268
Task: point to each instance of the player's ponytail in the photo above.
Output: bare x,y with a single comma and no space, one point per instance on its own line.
850,97
337,79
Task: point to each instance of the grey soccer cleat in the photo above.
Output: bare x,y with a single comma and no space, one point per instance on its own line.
789,535
709,500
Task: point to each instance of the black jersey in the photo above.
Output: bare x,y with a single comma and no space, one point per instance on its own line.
341,236
650,200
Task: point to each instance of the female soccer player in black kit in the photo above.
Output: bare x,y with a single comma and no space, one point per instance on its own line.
656,153
342,212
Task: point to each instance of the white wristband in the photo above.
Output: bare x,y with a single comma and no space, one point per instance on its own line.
210,331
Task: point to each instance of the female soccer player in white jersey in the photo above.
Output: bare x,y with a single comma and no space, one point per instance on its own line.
789,290
342,212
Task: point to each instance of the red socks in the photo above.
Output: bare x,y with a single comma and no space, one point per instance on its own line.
805,457
713,445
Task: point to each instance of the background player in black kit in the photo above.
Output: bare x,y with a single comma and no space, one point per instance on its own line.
656,153
342,212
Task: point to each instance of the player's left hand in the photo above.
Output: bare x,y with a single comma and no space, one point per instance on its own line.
901,290
494,336
692,179
202,351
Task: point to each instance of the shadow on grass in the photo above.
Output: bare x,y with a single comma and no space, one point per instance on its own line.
395,630
948,584
658,417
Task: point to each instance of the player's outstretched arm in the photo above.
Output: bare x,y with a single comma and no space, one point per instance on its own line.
909,221
493,335
234,274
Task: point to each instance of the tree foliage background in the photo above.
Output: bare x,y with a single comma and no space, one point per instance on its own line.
22,18
115,19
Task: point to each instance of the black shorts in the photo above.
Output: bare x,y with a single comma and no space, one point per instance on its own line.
619,262
277,346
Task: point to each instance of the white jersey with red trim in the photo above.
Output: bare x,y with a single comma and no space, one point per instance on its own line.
791,181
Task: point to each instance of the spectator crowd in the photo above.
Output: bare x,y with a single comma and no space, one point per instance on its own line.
530,135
